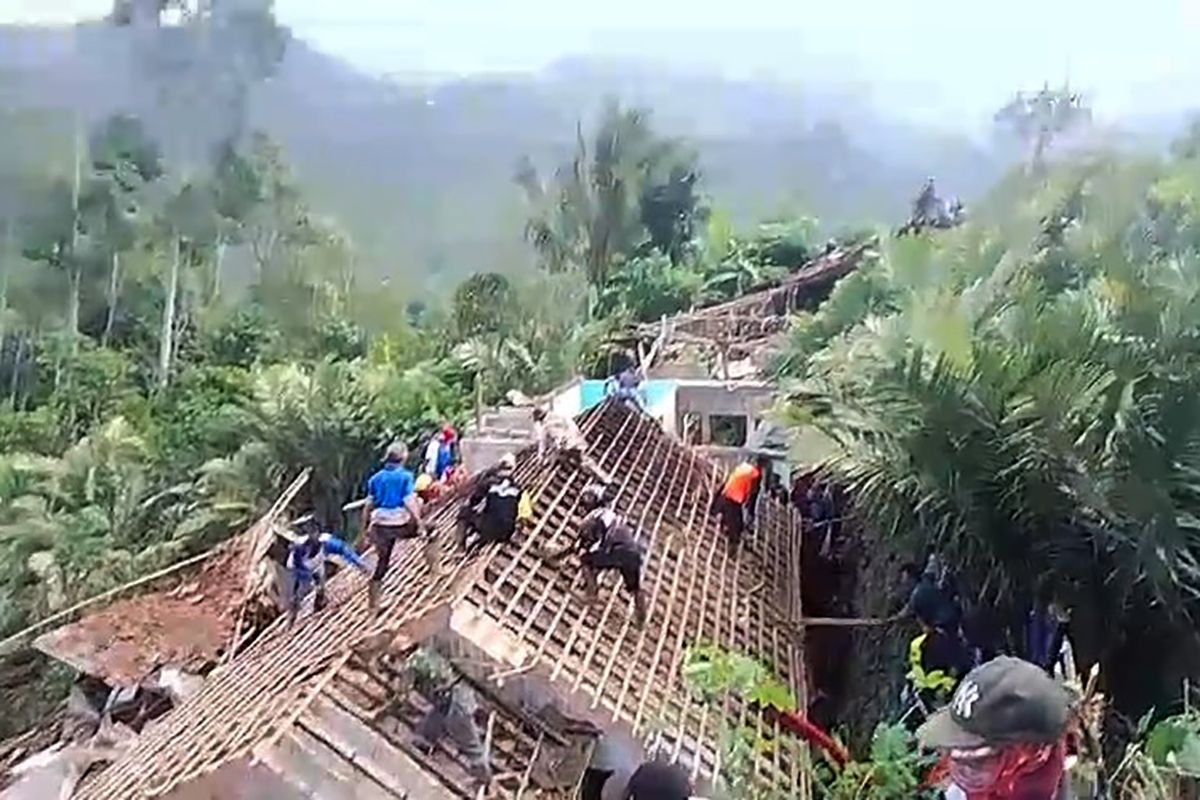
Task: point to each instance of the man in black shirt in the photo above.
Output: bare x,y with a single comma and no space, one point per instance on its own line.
495,508
606,541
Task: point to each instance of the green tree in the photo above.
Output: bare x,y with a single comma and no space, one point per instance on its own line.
237,190
1039,118
485,303
623,190
1007,419
124,160
187,226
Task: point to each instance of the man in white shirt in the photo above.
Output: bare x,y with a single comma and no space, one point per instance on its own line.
559,436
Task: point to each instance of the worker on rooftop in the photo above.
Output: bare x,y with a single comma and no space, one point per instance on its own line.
392,512
738,498
496,506
306,564
626,386
451,715
558,436
441,453
606,541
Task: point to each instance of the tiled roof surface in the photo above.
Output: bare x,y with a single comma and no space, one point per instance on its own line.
695,591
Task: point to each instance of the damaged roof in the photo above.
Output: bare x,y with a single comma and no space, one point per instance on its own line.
186,626
294,687
751,320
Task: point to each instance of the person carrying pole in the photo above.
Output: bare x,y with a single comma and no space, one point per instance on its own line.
497,505
735,503
306,565
392,512
606,542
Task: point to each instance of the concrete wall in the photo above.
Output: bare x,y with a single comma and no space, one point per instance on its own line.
568,400
749,399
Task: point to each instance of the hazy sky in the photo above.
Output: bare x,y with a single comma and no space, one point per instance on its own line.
944,60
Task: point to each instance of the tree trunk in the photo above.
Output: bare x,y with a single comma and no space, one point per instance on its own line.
8,254
220,261
1037,159
74,279
114,282
858,673
166,340
478,400
73,265
16,373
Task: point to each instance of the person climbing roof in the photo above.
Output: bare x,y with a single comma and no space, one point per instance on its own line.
497,505
738,497
606,541
392,512
557,436
306,564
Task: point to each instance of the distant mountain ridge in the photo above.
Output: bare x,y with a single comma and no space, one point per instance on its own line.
420,173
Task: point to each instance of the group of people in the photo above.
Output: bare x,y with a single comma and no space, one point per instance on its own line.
950,641
497,505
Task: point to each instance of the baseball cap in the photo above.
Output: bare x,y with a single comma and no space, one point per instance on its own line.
508,461
1004,701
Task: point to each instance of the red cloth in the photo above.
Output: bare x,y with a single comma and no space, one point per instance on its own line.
1015,772
798,725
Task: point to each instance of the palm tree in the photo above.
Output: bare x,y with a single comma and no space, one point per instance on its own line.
588,217
1041,117
1036,432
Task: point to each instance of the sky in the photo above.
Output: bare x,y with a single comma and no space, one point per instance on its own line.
942,61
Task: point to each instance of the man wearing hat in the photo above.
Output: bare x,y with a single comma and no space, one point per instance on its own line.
606,541
1004,733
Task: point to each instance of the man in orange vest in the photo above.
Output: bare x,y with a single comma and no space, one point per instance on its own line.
736,501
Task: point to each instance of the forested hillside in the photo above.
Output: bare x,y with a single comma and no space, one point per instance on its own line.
226,258
420,173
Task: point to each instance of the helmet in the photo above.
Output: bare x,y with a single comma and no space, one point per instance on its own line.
424,483
508,461
592,496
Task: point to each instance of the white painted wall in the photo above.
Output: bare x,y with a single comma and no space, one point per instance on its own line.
568,400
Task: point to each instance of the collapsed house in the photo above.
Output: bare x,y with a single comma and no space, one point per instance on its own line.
735,339
317,710
138,651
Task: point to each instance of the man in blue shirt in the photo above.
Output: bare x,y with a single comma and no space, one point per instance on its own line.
392,512
306,563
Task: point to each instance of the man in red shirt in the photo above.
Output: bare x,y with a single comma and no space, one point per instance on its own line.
736,501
